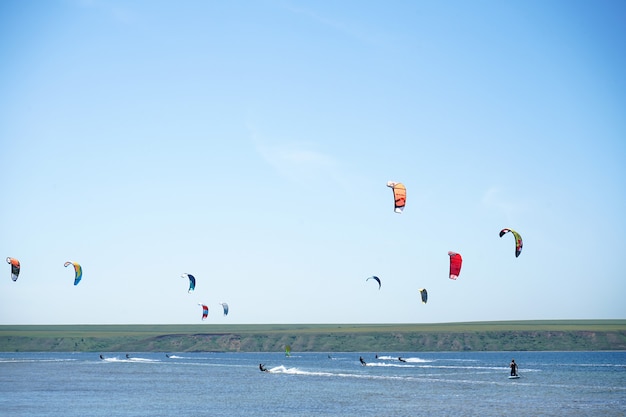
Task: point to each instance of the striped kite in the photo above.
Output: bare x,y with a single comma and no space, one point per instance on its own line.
78,271
518,240
192,281
205,310
225,306
455,264
399,195
15,268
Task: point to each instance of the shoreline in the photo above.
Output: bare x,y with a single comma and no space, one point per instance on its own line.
523,335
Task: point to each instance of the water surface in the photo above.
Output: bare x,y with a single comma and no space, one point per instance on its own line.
313,384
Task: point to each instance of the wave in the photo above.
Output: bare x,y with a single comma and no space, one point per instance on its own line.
495,368
591,365
15,360
432,377
410,360
133,360
417,360
283,370
297,371
390,365
143,360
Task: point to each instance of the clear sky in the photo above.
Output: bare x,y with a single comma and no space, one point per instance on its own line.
249,143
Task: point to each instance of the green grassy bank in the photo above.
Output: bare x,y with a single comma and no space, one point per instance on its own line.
473,336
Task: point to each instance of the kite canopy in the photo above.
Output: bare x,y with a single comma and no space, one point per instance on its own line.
518,240
424,295
455,264
374,277
225,306
15,268
399,195
78,271
205,310
192,281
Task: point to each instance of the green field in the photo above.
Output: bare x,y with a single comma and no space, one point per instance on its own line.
473,336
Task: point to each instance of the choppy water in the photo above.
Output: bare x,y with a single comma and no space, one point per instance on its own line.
313,384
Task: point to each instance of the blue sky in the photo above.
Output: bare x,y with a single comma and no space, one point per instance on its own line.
250,143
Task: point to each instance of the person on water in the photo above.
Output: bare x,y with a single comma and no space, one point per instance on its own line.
262,368
401,360
513,367
362,361
101,357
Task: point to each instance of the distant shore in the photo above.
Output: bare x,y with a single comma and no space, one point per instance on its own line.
540,335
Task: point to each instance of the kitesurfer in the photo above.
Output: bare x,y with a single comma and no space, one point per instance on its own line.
513,367
127,356
362,361
101,357
401,360
167,355
262,368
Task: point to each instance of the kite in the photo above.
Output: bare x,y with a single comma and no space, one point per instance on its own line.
374,277
205,310
225,306
455,264
77,269
399,195
424,295
518,240
192,281
15,268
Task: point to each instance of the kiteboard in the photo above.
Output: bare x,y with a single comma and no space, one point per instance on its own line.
514,377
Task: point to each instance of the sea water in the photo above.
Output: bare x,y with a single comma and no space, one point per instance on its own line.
313,384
